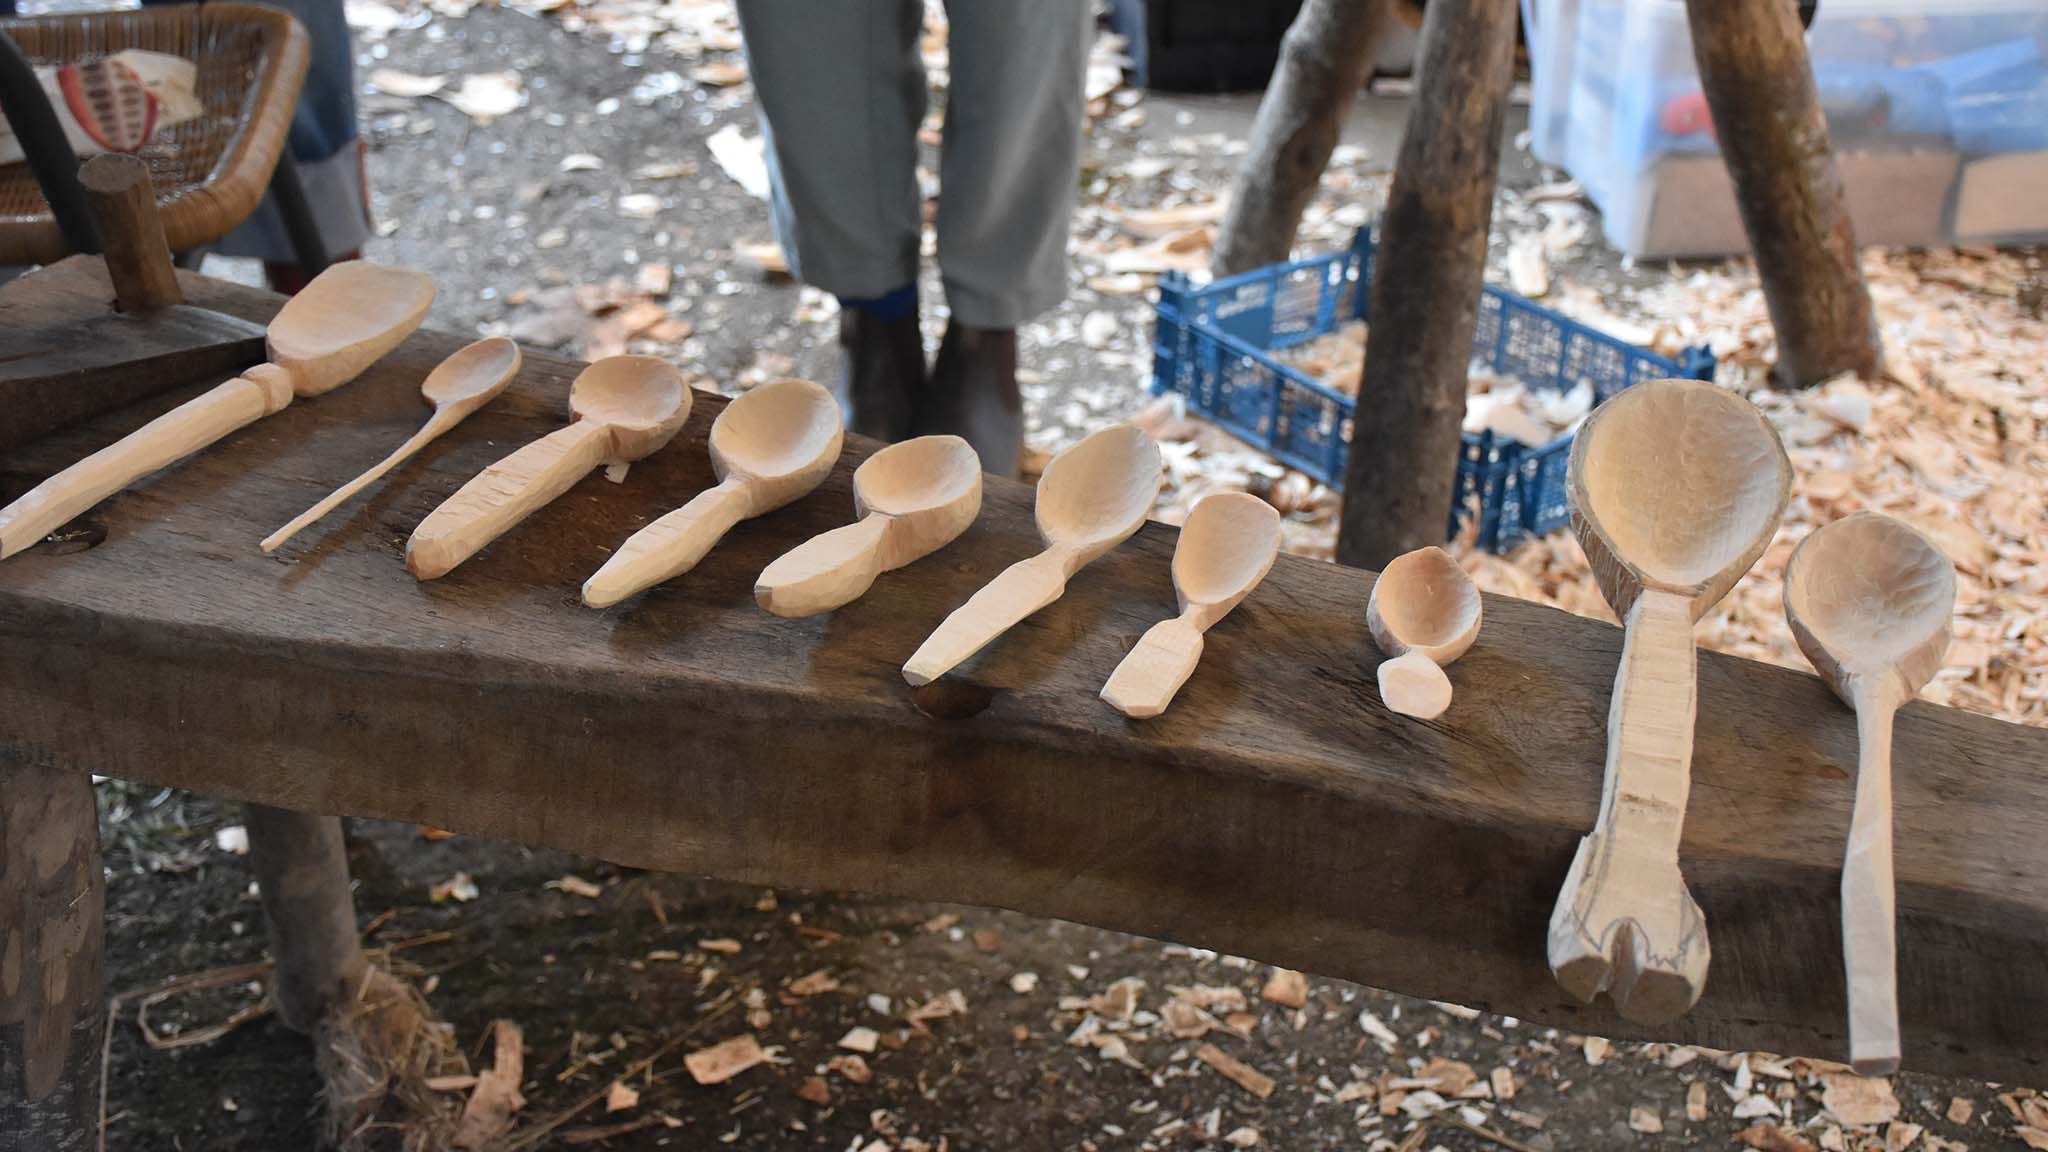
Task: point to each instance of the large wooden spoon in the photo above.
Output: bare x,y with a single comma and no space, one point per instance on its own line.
1677,487
1226,547
338,325
622,408
1091,498
1424,613
912,499
1869,600
457,386
769,447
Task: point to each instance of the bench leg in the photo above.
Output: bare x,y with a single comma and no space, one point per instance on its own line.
53,1007
302,872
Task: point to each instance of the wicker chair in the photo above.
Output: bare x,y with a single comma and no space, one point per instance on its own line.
209,172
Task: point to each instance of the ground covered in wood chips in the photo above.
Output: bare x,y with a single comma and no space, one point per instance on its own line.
586,177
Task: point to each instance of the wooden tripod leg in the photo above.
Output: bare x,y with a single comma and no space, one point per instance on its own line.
53,1008
302,870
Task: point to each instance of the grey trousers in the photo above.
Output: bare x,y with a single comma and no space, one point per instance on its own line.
842,91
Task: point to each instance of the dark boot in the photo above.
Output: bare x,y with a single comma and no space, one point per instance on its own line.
882,374
973,394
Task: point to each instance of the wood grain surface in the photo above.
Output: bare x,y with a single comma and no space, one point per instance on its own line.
1277,811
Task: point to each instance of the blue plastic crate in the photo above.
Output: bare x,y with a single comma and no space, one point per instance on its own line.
1213,342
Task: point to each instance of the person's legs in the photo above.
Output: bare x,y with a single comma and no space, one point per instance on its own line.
842,91
1008,175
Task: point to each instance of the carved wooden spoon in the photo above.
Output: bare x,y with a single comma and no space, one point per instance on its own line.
1677,487
768,447
1091,498
1424,613
622,409
338,325
1869,600
1226,547
912,499
457,386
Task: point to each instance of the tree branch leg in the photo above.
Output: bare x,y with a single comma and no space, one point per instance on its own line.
53,1007
1427,273
1774,138
1324,60
301,870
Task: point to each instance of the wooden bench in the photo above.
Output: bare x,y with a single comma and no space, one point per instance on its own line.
1277,811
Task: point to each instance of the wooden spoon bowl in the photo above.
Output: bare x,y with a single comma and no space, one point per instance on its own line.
1424,613
345,320
641,401
1677,487
1869,600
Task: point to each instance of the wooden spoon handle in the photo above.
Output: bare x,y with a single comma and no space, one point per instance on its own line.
1624,921
1412,685
1021,589
1869,946
504,494
670,546
827,571
168,438
1151,673
442,420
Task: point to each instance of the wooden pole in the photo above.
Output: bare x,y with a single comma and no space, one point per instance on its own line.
1402,470
1767,116
1324,60
123,204
53,1010
301,870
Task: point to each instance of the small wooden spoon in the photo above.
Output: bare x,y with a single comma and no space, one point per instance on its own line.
1091,498
912,499
457,386
769,447
1226,547
338,325
1424,613
1677,487
622,408
1869,600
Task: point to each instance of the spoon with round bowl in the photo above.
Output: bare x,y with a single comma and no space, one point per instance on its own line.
1092,497
769,447
912,499
1677,487
1424,613
622,408
457,387
1869,600
1226,547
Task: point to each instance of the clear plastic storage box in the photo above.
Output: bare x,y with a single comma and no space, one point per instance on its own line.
1937,110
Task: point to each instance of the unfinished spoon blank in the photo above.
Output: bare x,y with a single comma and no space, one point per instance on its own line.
769,447
622,408
1424,613
911,500
1869,600
338,325
1226,547
1092,497
1677,486
458,386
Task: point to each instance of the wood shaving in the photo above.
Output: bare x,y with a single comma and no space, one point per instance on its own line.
725,1060
1238,1072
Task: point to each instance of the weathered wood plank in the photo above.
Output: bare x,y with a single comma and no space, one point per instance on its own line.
1277,811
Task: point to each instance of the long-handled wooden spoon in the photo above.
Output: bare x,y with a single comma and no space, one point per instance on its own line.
338,325
622,408
1226,547
912,499
1091,498
1424,613
769,447
1677,487
1869,600
457,386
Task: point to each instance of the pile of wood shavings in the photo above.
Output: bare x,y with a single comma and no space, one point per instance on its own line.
1956,442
